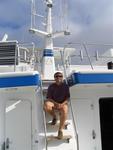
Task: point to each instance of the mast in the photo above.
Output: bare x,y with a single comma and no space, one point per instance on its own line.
48,64
48,67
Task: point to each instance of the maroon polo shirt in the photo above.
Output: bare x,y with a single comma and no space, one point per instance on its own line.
58,93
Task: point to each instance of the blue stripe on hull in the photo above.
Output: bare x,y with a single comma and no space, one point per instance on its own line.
90,78
31,80
48,52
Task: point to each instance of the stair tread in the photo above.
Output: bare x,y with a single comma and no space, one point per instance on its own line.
54,137
57,124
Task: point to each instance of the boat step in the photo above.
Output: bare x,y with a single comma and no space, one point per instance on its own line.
57,124
65,138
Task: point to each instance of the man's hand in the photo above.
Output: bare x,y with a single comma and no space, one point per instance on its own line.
65,102
59,106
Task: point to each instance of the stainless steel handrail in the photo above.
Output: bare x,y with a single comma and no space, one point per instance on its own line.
89,51
87,55
71,108
44,117
76,134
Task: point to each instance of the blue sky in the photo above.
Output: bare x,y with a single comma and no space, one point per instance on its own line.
88,20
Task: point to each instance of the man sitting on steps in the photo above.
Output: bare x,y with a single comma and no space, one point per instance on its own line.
57,99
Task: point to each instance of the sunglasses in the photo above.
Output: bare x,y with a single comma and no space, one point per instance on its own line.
58,76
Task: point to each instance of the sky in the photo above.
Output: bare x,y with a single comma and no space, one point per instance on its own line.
88,20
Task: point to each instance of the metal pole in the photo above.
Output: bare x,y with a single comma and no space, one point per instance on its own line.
75,129
2,123
45,130
88,55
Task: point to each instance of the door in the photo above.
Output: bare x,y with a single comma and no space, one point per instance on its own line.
18,125
106,123
84,119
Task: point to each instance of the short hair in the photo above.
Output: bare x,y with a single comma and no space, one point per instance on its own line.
56,73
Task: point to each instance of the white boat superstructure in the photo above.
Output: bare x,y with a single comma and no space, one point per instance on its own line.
48,54
23,86
23,124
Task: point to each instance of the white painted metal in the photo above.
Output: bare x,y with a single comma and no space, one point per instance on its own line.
53,130
48,62
2,121
19,126
25,119
85,101
21,122
5,37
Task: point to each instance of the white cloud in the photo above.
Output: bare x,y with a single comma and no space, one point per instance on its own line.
89,20
94,19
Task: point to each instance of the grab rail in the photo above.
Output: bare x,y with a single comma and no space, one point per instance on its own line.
44,117
88,55
75,129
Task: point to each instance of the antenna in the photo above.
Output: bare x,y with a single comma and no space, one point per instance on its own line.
33,12
64,14
5,37
48,35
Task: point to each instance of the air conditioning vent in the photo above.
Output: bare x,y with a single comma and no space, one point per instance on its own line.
8,53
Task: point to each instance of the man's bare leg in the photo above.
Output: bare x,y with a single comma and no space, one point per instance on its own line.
49,108
63,117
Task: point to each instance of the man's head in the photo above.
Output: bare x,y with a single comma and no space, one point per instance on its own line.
58,77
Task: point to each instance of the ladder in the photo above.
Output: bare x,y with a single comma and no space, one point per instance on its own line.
43,87
69,141
71,108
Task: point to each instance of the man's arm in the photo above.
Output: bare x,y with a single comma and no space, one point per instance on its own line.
49,93
67,96
64,103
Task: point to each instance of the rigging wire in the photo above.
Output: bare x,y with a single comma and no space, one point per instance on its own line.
64,14
33,13
61,15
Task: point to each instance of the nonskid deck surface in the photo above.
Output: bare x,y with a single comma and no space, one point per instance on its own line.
65,138
57,124
53,137
68,142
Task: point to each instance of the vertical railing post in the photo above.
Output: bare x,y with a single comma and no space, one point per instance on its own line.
88,55
44,121
71,108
